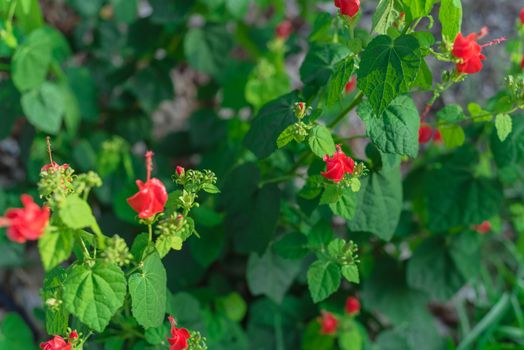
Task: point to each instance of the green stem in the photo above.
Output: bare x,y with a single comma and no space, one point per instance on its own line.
348,109
150,230
276,180
84,249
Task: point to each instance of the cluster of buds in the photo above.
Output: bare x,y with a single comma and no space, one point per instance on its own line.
301,110
195,180
196,341
177,225
117,252
56,182
347,254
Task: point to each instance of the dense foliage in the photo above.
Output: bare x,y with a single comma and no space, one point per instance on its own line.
194,175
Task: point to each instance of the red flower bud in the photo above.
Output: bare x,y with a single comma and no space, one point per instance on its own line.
151,197
437,137
54,165
57,343
328,323
348,7
179,336
424,133
522,16
338,165
469,52
284,29
73,335
352,306
27,223
484,227
180,170
351,84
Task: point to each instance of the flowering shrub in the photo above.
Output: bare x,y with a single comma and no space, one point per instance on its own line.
312,185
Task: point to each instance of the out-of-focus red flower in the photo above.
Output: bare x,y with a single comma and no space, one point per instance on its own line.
351,84
27,223
484,227
522,16
151,197
469,52
54,165
338,165
328,323
522,63
352,306
284,29
179,336
348,7
424,133
437,137
57,343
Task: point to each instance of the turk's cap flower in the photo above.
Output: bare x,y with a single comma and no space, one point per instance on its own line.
483,227
179,336
348,7
57,343
284,29
27,223
338,165
352,306
350,85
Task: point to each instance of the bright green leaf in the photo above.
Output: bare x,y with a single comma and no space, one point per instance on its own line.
55,246
321,142
503,125
450,16
323,279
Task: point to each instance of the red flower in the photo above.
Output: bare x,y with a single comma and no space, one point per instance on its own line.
352,306
57,343
522,16
180,170
468,51
437,137
522,63
328,323
27,223
348,7
424,133
351,84
284,29
338,165
484,227
179,336
151,197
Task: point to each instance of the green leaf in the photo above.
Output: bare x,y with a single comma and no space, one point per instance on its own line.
351,339
267,81
323,279
388,68
55,246
95,293
385,15
450,16
503,125
148,292
10,108
350,273
56,316
321,61
331,194
152,85
291,246
321,142
432,270
451,114
346,205
165,243
125,11
396,130
511,150
453,135
15,334
465,200
210,188
320,234
338,80
271,275
76,213
233,306
286,136
379,203
251,212
269,123
419,8
207,49
31,60
44,107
